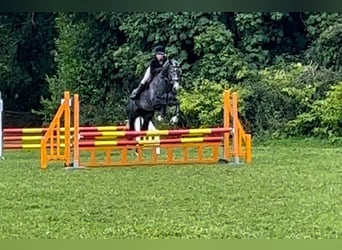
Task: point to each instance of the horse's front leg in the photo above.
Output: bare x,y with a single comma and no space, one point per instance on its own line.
162,113
174,119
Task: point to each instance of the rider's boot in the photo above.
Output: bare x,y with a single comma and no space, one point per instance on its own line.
137,91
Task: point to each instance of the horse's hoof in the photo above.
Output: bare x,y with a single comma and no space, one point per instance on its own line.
174,120
159,118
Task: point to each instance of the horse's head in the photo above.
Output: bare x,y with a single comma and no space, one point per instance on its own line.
173,73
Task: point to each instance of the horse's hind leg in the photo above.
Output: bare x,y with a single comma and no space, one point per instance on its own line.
131,124
130,112
146,121
131,121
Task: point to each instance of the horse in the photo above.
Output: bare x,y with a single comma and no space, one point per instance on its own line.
159,93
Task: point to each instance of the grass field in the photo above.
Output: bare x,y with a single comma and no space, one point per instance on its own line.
292,189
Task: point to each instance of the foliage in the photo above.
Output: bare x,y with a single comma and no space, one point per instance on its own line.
202,106
218,58
278,98
316,23
326,50
330,113
265,38
176,31
26,44
317,84
282,63
267,102
252,37
71,71
324,117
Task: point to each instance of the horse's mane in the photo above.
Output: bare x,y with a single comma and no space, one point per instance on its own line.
167,64
165,67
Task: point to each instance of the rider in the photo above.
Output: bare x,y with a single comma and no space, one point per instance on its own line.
153,69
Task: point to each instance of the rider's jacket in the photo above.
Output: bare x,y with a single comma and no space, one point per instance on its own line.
156,67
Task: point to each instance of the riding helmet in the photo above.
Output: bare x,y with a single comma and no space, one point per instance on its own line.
159,50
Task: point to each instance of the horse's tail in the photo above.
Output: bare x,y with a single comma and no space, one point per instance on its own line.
130,110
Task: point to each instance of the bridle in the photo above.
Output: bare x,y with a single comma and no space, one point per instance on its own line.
174,76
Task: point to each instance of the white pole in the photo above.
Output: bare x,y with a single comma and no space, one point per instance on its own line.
1,134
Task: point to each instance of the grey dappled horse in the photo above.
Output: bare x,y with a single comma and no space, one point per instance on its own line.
159,93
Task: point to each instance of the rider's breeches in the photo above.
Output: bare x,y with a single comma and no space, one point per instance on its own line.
146,76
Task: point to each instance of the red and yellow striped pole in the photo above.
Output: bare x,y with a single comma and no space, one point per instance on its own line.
26,131
194,132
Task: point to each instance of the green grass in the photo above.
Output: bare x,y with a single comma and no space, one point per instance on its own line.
292,189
